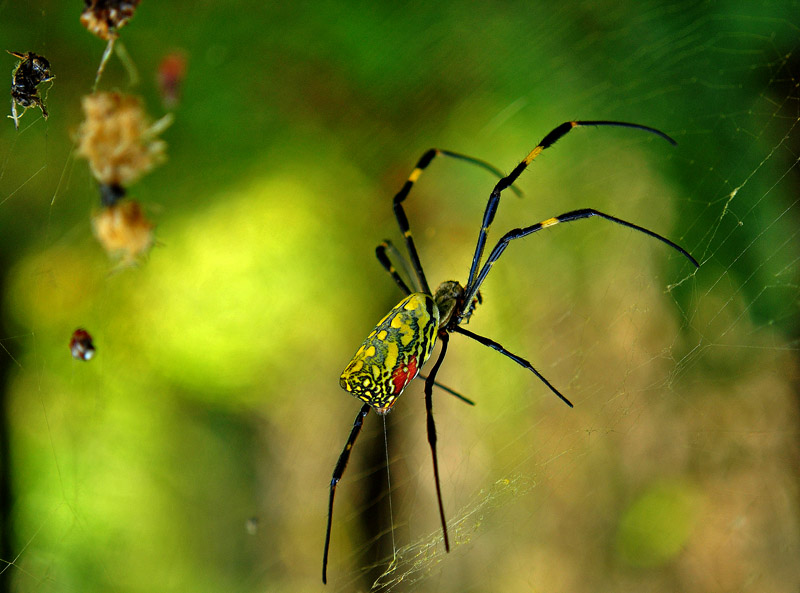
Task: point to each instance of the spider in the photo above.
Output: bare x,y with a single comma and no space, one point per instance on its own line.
395,351
31,71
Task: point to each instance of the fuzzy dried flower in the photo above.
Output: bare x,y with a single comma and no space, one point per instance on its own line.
104,18
123,231
118,138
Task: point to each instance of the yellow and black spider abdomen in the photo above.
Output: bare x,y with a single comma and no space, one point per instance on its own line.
393,352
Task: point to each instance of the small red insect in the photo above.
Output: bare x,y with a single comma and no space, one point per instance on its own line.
171,72
81,345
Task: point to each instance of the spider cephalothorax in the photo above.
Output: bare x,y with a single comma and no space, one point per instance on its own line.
395,351
449,297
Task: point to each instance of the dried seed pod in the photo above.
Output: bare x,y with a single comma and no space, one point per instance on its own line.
118,138
123,231
104,18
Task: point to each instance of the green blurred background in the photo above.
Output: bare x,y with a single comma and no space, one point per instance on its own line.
194,452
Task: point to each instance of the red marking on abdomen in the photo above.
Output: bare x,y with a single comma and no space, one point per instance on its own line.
401,378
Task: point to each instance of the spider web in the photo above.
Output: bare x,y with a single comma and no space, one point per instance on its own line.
194,452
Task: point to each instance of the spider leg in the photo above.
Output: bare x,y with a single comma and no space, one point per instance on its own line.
429,382
399,212
519,360
566,217
380,253
337,475
448,390
551,138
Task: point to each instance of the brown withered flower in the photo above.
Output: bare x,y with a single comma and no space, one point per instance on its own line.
104,18
118,138
123,231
